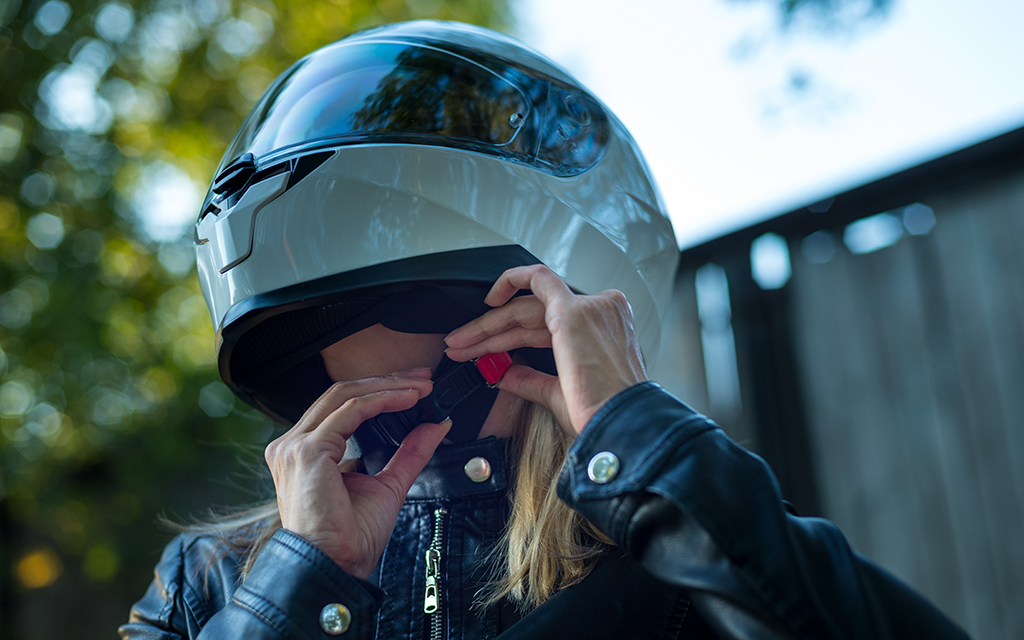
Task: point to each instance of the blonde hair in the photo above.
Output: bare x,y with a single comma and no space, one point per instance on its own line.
546,546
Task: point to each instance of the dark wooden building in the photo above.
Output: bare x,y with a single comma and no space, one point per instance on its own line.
871,348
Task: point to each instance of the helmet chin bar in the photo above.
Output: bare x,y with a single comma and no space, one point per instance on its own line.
270,346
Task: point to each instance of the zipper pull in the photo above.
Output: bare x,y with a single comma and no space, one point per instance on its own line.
431,596
430,600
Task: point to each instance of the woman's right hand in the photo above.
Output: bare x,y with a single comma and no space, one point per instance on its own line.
350,516
593,338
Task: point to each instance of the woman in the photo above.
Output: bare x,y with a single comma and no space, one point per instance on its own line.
385,216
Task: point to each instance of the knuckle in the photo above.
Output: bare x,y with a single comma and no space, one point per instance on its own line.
557,321
617,297
521,311
353,405
326,399
337,388
540,270
613,301
363,407
273,451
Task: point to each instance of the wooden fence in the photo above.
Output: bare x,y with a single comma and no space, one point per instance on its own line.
887,388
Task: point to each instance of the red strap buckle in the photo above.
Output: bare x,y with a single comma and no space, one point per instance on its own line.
493,366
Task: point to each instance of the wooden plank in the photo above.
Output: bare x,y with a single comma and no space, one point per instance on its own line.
869,403
953,424
884,312
923,531
1007,240
976,299
822,313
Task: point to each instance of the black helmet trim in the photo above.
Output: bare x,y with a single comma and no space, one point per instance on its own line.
270,338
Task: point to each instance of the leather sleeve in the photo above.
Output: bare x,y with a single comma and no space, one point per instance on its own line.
291,581
699,511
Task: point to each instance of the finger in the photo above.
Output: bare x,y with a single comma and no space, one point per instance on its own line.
415,452
341,392
344,421
512,339
418,372
539,279
525,311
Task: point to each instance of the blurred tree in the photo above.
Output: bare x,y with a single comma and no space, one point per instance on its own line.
113,116
825,15
804,96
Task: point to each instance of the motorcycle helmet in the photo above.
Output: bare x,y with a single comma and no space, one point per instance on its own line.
391,177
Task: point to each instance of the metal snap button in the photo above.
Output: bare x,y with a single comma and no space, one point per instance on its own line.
335,619
478,469
603,467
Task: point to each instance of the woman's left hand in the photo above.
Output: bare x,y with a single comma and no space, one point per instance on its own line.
593,339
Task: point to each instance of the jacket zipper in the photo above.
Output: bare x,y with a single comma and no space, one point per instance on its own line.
432,595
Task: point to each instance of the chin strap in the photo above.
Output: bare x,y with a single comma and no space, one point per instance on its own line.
454,384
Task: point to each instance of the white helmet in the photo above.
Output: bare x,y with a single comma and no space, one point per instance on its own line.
391,177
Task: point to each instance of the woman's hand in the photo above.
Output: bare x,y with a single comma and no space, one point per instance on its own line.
593,338
350,516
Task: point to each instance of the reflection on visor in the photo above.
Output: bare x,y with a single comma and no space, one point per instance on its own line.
387,88
415,93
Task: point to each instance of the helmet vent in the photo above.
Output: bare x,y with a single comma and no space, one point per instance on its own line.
232,183
305,165
235,175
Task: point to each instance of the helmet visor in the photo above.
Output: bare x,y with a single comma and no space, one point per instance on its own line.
421,93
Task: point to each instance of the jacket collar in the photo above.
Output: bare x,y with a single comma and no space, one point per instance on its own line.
446,477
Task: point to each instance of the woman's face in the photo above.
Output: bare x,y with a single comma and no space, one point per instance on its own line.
377,351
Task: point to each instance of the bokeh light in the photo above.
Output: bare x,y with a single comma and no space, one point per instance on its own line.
39,568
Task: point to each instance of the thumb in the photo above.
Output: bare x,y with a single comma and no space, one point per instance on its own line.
415,452
537,387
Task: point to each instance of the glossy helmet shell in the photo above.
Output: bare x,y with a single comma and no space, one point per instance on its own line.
394,175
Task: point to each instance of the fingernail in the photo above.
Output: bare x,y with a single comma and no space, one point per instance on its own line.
448,352
447,423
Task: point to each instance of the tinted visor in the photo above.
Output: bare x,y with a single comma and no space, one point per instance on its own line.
423,93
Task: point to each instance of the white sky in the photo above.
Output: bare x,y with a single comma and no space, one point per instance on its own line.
727,141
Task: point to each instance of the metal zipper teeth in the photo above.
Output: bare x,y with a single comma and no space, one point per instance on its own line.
432,594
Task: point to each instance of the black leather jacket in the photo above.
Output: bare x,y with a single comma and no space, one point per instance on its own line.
709,550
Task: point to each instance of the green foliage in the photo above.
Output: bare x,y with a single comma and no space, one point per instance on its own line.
113,117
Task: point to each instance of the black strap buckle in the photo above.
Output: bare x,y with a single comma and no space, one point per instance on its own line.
453,383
